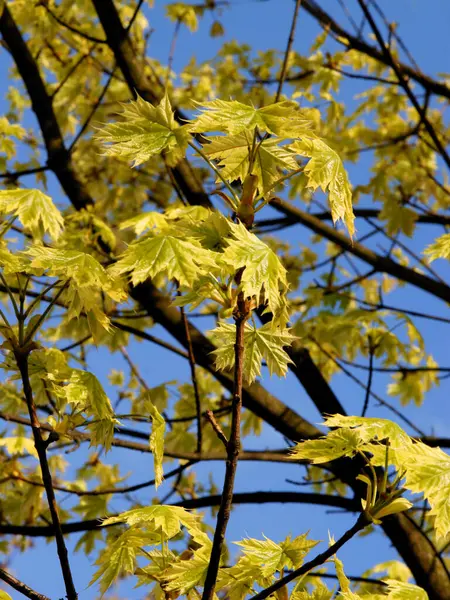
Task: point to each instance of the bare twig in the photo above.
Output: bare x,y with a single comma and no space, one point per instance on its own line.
288,50
21,587
369,379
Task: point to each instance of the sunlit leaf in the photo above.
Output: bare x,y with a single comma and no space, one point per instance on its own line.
35,211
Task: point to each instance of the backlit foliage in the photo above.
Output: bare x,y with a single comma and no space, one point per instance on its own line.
175,185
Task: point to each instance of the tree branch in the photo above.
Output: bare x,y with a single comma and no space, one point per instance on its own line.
21,587
360,524
41,448
193,503
58,158
233,447
351,41
380,263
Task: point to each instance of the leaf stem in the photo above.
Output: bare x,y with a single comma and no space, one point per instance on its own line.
217,172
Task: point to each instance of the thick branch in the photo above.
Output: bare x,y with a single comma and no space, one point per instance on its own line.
192,503
433,86
58,158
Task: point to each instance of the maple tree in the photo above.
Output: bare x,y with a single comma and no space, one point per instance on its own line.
170,187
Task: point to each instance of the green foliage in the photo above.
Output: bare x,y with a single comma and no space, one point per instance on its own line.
265,343
325,170
210,154
284,119
425,470
145,131
440,248
34,210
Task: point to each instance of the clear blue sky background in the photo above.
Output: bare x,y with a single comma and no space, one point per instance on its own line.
264,25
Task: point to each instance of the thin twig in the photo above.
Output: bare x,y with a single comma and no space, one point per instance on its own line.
151,338
360,524
217,428
21,587
369,379
41,448
104,492
288,50
198,406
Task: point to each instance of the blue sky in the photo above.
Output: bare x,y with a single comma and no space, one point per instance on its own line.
265,25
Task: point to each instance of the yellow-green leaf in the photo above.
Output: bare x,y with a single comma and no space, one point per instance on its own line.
264,343
284,119
233,151
145,131
35,211
325,170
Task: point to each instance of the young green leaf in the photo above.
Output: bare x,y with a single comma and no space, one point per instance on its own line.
233,152
428,473
166,520
440,248
273,557
184,575
370,428
85,392
145,131
265,343
400,590
86,277
284,119
325,170
156,438
118,558
35,211
164,254
264,277
342,442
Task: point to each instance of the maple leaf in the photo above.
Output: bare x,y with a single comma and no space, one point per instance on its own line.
34,210
263,275
265,343
233,153
85,392
440,248
284,119
164,254
343,442
325,170
156,440
86,277
400,590
428,473
145,131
